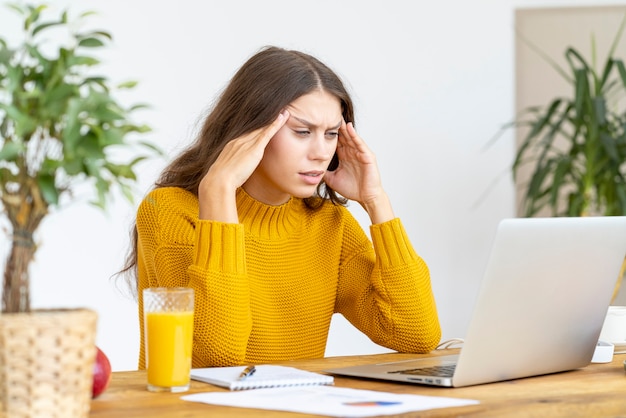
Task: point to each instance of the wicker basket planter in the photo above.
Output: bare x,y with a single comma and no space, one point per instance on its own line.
46,363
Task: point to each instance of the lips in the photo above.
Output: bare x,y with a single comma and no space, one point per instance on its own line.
311,177
312,173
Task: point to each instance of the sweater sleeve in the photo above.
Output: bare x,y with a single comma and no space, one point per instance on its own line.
223,321
177,249
385,291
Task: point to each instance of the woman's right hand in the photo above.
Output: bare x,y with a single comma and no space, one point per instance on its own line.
235,164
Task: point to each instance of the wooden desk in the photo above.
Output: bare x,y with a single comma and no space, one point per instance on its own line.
598,390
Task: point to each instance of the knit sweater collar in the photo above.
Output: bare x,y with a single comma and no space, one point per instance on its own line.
267,221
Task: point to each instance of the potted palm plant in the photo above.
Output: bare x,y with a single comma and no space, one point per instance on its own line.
60,126
575,146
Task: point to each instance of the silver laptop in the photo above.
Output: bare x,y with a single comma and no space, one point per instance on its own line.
540,309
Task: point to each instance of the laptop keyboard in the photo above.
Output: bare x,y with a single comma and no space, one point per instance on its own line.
444,370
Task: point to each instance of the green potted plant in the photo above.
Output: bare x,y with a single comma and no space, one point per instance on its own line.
576,145
60,126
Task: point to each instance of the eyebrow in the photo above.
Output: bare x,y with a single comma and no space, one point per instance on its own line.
309,124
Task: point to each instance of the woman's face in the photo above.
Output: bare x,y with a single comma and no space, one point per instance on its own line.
296,158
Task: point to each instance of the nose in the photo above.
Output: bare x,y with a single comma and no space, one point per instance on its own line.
321,148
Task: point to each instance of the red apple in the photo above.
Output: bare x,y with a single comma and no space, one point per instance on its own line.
101,373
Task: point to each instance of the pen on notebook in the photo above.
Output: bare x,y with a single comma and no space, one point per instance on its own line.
247,372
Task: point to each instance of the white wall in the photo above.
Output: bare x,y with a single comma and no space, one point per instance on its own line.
432,83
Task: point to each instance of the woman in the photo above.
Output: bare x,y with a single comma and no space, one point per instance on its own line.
253,219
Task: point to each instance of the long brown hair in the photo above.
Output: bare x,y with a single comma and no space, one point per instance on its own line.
267,83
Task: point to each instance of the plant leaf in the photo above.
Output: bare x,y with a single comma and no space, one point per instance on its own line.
48,189
90,43
44,26
10,151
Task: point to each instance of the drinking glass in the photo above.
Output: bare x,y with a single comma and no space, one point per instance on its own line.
168,328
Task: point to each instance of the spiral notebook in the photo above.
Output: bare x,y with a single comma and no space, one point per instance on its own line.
265,376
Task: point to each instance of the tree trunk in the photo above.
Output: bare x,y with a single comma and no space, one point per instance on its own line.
16,292
25,209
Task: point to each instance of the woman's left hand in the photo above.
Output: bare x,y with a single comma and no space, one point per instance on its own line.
357,177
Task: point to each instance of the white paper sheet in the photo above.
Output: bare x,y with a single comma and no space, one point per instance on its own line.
331,401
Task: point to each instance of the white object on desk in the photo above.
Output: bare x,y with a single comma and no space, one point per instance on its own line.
603,352
614,327
328,400
265,376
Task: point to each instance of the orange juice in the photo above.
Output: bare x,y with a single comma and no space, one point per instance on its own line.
168,348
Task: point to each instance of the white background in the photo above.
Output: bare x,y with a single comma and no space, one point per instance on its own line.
432,84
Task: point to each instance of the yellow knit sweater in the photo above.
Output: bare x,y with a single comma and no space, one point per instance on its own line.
266,288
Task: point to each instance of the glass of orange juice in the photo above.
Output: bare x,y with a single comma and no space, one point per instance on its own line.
168,328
